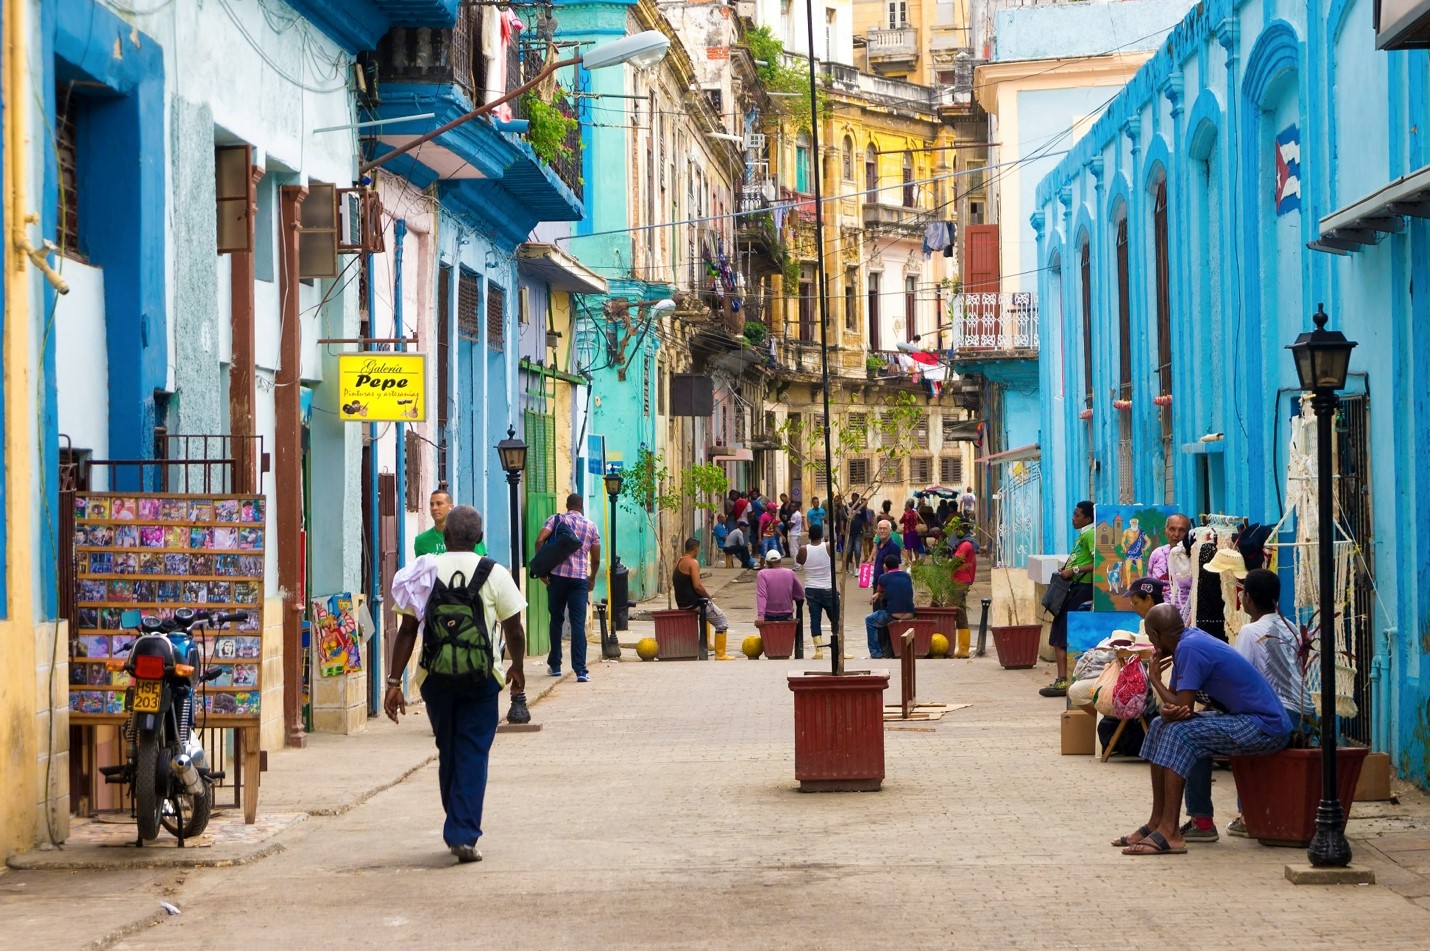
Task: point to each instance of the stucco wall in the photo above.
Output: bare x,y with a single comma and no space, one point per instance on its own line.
1084,29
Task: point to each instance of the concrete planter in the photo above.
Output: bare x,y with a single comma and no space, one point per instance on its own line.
839,730
779,639
1280,793
1017,645
677,634
945,620
923,628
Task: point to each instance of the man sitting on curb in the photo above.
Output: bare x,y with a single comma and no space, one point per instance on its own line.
1254,722
689,592
776,591
897,590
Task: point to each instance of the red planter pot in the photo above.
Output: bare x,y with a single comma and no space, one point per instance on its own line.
945,621
677,634
779,639
839,731
1017,645
923,635
1280,793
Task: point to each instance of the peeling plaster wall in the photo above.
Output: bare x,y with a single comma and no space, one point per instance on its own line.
194,282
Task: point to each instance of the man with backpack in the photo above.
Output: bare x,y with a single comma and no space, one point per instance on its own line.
458,599
569,584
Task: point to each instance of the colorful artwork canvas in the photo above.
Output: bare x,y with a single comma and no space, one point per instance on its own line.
336,635
1124,537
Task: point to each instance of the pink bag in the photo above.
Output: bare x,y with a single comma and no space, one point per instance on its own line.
866,574
1129,697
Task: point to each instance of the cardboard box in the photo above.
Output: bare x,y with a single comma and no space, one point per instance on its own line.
1079,730
1374,782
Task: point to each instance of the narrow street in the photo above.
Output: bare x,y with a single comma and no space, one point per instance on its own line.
657,808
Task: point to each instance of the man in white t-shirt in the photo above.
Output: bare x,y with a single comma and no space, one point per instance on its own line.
463,711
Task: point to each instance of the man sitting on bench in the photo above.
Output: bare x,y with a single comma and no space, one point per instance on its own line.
893,600
689,592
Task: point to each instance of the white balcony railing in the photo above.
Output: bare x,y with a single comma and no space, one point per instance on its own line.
1006,322
893,44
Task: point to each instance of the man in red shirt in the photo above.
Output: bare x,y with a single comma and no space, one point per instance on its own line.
965,567
738,505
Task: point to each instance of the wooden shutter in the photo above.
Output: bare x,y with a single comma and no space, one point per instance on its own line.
980,259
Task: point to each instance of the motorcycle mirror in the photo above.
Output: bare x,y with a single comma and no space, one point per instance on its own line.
213,673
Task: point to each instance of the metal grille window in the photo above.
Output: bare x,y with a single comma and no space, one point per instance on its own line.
921,470
67,147
645,386
950,428
887,434
821,477
911,308
496,315
1125,495
469,296
894,472
950,470
858,472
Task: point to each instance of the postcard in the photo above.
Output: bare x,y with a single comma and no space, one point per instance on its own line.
245,592
111,619
171,510
196,592
176,564
91,591
224,679
87,617
97,675
201,564
225,566
151,536
151,563
226,510
176,536
250,566
121,591
78,676
249,623
146,592
81,507
92,645
225,648
220,592
170,592
149,509
126,564
247,702
120,644
225,539
87,701
101,563
98,508
252,511
114,701
126,536
119,678
100,536
199,538
247,648
201,511
245,675
250,539
223,704
123,510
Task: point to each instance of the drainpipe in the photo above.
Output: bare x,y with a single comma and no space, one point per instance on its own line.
288,465
374,542
242,392
400,236
1380,681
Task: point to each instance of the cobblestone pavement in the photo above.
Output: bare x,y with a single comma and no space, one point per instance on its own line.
658,808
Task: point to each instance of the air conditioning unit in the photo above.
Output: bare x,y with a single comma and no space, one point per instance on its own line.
360,221
745,8
351,213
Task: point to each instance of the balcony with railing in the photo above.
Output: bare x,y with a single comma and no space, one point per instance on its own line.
997,326
442,70
893,49
893,219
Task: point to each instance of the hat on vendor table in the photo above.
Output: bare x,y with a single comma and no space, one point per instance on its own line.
1227,559
772,557
1131,641
1148,586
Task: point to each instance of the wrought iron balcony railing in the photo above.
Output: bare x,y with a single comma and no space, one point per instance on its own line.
1006,322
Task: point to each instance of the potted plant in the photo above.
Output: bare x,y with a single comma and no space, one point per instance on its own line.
874,366
778,638
756,333
933,576
1017,644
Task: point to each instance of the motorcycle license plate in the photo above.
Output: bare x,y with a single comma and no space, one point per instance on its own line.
146,696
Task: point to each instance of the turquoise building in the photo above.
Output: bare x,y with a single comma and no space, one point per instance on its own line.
1268,159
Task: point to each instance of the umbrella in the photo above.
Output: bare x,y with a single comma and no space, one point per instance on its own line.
942,491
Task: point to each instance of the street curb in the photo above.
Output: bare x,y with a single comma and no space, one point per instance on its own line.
112,938
36,861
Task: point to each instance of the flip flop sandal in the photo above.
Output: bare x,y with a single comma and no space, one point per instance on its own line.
1124,842
1159,846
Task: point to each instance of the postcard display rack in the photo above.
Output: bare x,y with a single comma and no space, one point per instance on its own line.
155,554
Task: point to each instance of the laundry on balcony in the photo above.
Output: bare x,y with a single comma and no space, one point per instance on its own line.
939,236
924,367
500,29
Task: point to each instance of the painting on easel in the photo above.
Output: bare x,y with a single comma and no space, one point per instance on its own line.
1124,537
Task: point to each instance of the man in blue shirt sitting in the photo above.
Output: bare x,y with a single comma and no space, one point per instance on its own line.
1250,721
896,589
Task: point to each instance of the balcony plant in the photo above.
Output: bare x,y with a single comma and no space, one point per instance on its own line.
756,333
551,127
874,365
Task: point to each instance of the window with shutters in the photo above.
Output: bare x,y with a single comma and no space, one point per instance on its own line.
413,470
858,472
444,364
847,159
1124,313
469,297
1085,264
1164,335
921,429
851,299
645,386
806,311
911,308
874,279
921,470
907,174
871,173
67,107
660,385
950,470
821,477
496,315
950,428
894,472
858,429
887,429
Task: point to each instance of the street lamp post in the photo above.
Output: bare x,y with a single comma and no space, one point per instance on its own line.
612,478
639,49
1322,357
512,452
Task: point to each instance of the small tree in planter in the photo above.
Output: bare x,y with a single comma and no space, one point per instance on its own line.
889,438
649,490
704,486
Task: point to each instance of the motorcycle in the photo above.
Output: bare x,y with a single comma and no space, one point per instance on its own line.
170,781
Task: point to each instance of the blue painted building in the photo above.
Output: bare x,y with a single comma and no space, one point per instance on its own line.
1266,159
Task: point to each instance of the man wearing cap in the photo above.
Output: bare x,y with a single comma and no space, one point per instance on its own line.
776,590
1250,720
1173,563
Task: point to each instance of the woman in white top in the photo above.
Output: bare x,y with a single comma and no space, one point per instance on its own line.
819,591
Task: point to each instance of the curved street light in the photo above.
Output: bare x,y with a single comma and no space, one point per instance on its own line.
639,49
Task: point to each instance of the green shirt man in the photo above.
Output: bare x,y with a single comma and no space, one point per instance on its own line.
1081,557
432,541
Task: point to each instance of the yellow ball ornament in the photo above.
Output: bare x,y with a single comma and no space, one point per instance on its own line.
646,648
938,647
753,646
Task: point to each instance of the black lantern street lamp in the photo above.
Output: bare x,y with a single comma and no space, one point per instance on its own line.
1322,357
617,594
512,453
613,480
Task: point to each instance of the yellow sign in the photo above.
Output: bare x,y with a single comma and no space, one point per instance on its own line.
382,387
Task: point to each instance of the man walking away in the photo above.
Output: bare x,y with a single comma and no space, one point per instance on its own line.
569,586
819,593
796,529
968,503
689,592
462,658
1078,571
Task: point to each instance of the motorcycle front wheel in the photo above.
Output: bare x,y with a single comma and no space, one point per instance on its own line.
148,796
189,812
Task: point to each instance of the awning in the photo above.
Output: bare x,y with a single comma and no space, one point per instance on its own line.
1360,225
559,270
1030,451
731,455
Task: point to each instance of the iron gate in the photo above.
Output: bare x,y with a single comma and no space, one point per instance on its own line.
1352,448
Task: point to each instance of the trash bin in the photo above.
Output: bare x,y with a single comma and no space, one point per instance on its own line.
620,597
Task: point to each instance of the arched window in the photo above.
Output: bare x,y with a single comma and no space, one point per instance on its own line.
908,179
871,173
1162,276
1085,265
847,156
802,171
1125,492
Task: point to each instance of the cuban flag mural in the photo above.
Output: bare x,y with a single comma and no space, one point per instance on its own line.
1288,170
